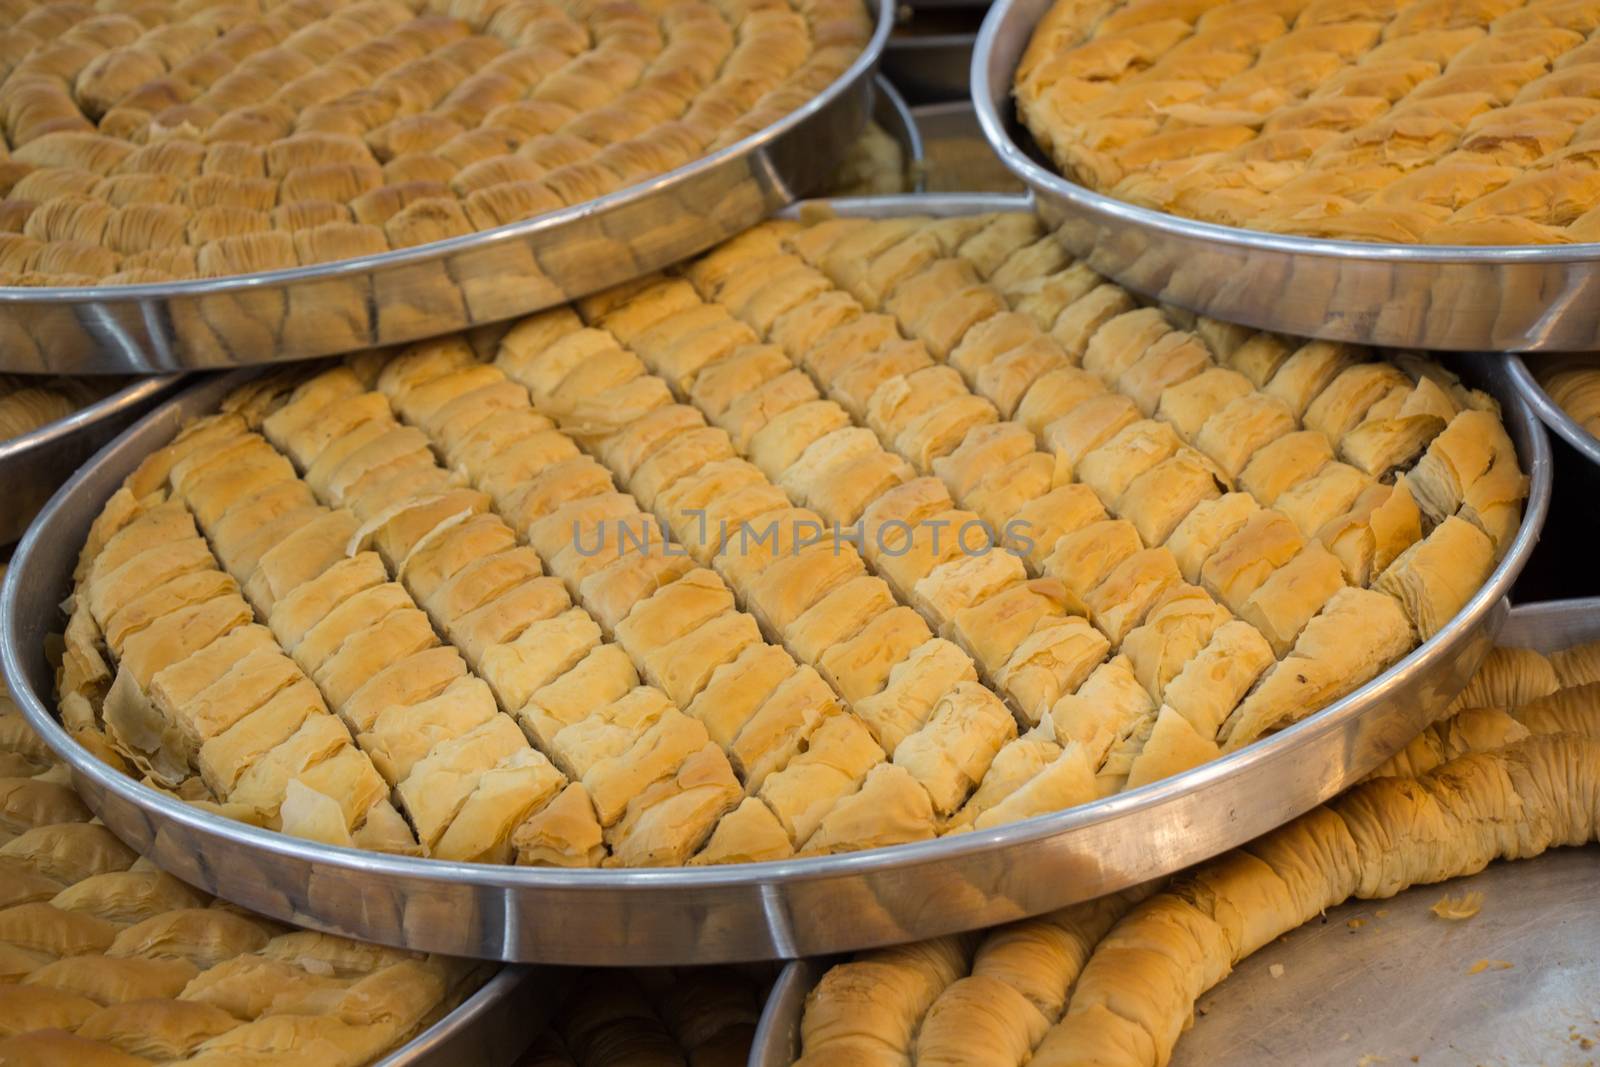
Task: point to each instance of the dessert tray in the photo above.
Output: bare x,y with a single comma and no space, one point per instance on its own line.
327,180
832,773
34,464
1530,383
1460,297
1507,955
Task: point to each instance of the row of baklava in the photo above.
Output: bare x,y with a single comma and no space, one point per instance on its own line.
686,1017
1140,469
222,140
1113,981
108,960
1391,121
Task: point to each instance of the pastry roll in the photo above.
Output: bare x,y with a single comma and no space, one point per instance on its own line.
1435,577
844,496
860,666
681,668
673,612
1106,707
439,785
1464,452
1331,492
839,348
1001,495
1121,341
294,615
840,754
1284,463
781,442
781,726
609,593
1039,523
1509,678
1065,782
367,651
1110,468
908,550
750,833
1234,434
1188,404
992,628
838,616
1083,558
668,821
949,754
1052,661
1283,604
602,676
404,734
415,678
1379,447
177,635
988,340
970,578
1159,499
1168,362
1119,602
1177,627
941,429
608,731
1358,633
900,402
1015,763
867,1011
1264,542
890,808
1093,423
1383,522
545,650
736,690
1303,376
564,833
985,451
1493,503
1053,394
1081,320
1343,405
914,686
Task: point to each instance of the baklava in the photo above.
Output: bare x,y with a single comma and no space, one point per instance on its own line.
749,561
1413,122
110,960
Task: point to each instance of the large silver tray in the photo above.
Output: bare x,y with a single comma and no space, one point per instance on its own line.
1350,992
490,1028
787,909
1549,412
1522,298
447,285
34,465
890,110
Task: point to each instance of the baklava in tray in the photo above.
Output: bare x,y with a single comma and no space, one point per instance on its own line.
848,534
1396,121
186,139
108,960
1511,772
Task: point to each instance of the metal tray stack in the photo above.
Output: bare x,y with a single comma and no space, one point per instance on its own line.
1334,992
1520,299
777,910
35,464
447,285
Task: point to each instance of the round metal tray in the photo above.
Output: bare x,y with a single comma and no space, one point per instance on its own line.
448,285
1520,298
490,1028
1255,1017
890,110
34,465
1550,413
776,910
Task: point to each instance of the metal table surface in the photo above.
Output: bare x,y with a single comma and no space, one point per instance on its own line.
1525,298
783,909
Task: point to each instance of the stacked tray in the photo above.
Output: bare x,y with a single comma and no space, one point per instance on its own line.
1532,298
451,284
799,907
1331,992
33,465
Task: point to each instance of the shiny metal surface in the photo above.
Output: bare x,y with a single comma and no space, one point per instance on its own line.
778,910
1549,412
490,1028
1387,981
890,110
957,156
447,285
1523,298
1541,915
777,1040
33,466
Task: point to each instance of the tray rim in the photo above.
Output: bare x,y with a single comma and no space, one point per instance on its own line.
130,395
765,878
863,65
436,1044
1526,626
1036,176
1550,413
